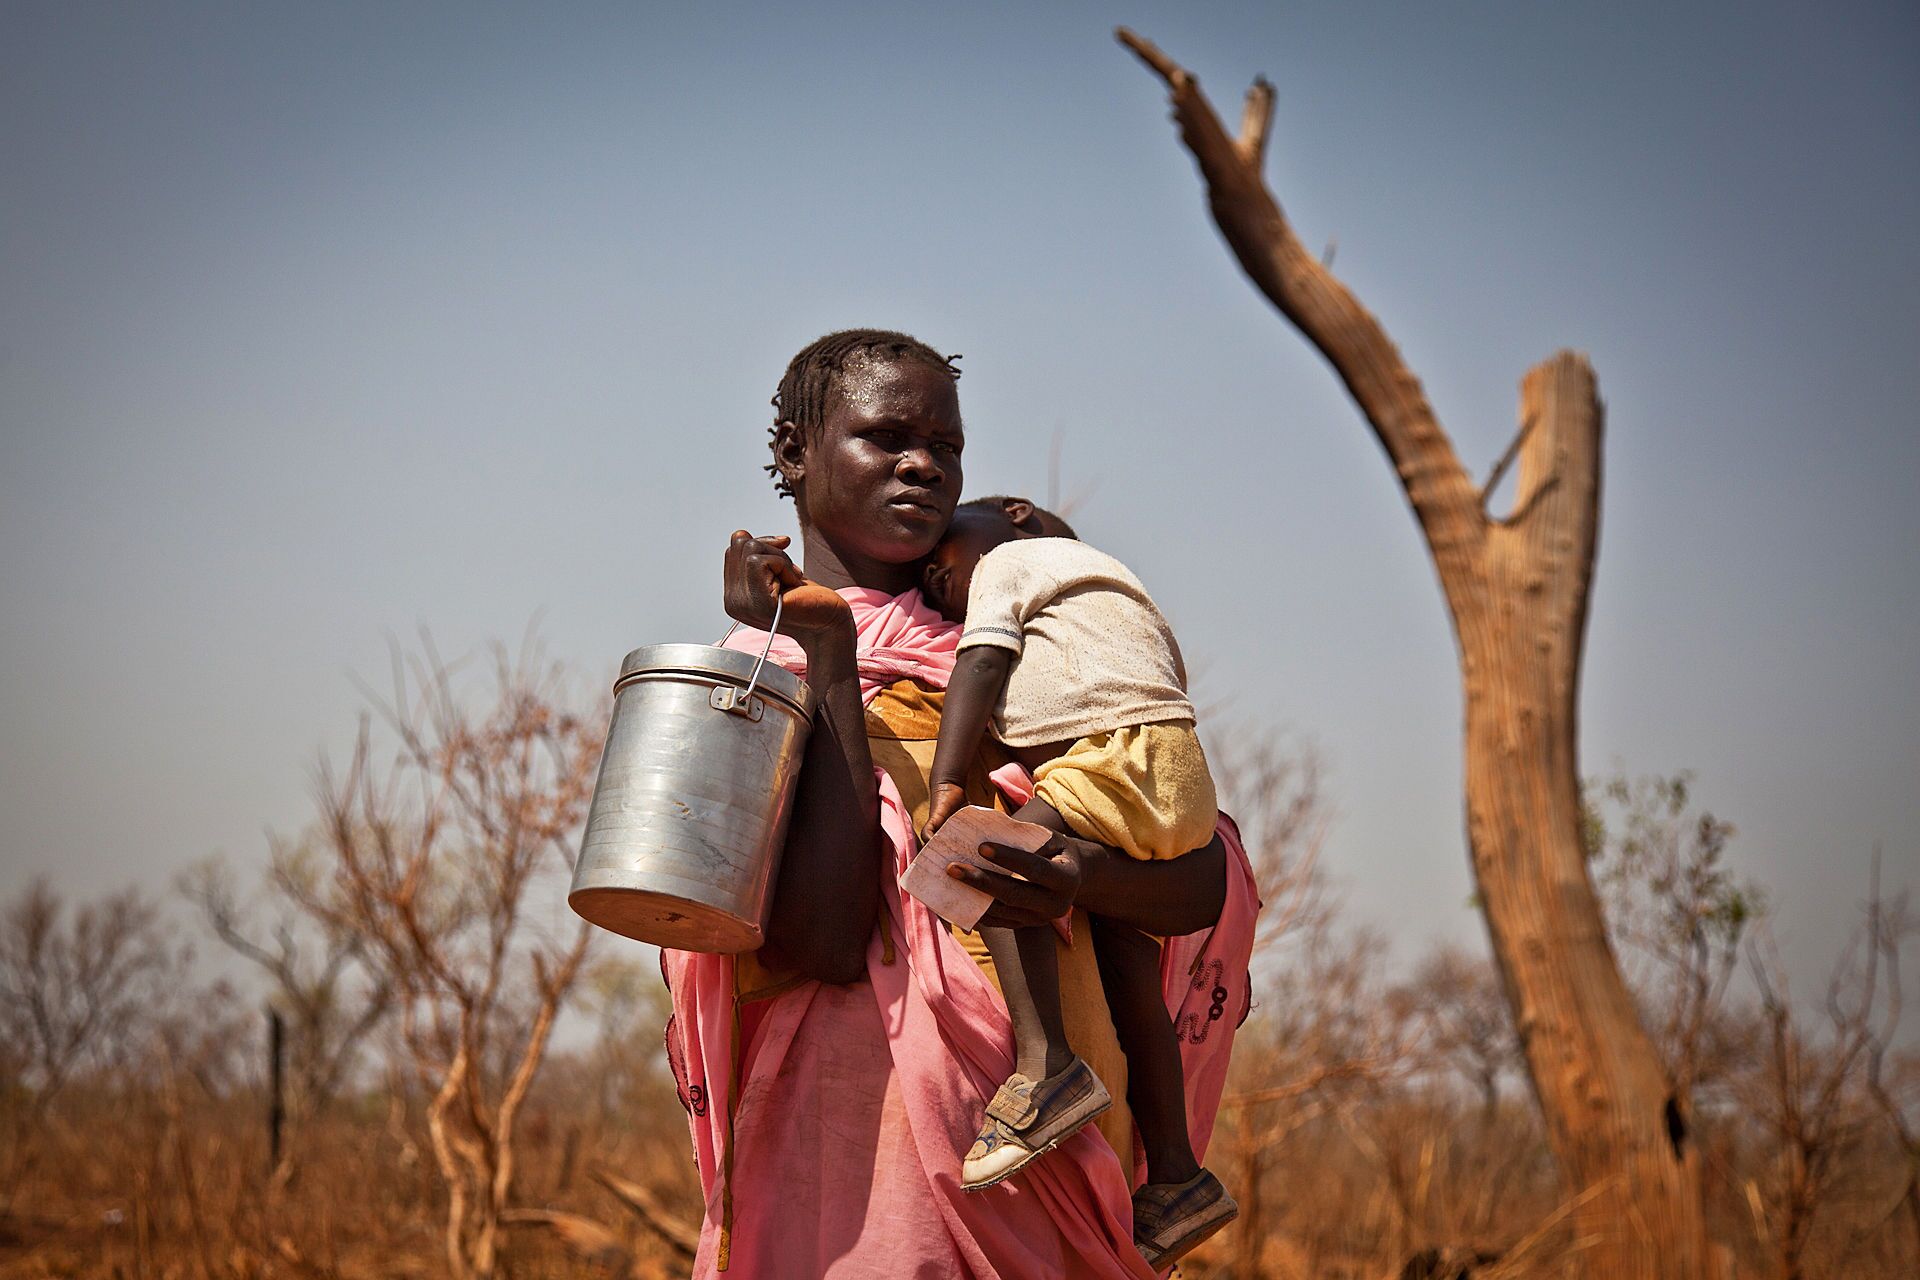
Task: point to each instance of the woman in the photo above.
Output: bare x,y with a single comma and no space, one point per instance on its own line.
833,1079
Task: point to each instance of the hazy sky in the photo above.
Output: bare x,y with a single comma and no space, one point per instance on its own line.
317,325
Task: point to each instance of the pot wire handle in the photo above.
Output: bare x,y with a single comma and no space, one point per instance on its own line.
753,680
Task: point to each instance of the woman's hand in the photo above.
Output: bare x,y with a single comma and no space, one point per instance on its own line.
1053,876
1167,897
758,571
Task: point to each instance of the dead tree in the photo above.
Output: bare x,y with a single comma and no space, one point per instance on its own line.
326,995
1818,1097
1516,586
81,993
436,862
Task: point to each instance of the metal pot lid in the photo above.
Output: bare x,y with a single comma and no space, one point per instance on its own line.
713,663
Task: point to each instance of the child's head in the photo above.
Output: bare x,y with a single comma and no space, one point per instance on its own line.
978,527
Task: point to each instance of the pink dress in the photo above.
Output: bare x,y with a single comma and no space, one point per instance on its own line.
828,1126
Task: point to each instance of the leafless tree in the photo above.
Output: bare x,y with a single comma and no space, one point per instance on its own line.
1819,1094
624,1067
1271,788
1307,1040
439,863
77,988
1456,999
313,963
1517,584
1676,912
80,991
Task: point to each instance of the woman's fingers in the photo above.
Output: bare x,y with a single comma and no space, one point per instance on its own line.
756,571
1018,904
1042,887
1046,867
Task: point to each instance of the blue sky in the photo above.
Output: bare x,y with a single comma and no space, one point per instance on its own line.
320,325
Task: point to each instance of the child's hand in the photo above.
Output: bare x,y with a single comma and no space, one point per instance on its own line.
947,799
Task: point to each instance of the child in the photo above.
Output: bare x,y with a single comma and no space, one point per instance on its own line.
1083,680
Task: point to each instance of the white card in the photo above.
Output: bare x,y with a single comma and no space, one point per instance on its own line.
959,840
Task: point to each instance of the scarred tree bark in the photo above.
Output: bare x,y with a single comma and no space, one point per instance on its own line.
1517,588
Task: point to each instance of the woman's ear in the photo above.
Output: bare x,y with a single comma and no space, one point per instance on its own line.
790,453
1020,513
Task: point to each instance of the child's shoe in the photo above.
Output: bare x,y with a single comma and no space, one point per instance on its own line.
1170,1218
1029,1118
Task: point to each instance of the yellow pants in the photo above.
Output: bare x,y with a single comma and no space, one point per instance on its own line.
1144,789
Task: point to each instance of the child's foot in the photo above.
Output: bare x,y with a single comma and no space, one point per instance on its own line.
1029,1118
1170,1218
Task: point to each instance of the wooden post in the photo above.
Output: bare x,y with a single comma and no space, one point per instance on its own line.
1516,586
276,1086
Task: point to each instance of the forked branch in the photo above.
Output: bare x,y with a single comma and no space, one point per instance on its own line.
1256,119
1506,459
1444,498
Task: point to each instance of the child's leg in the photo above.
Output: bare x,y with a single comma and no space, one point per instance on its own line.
1030,978
1060,1093
1030,981
1156,1083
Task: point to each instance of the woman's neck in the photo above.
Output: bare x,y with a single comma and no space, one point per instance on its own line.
831,567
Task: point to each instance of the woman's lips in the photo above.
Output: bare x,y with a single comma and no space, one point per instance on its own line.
918,503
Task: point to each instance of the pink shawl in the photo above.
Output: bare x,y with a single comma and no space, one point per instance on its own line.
829,1143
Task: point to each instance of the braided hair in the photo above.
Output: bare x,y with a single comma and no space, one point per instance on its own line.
813,378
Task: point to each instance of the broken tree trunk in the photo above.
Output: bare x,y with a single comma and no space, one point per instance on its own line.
1516,586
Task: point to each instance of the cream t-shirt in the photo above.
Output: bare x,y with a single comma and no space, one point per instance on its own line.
1092,651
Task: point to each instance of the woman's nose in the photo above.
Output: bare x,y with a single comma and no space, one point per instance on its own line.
919,466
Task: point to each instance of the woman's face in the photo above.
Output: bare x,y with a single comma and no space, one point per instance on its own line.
879,479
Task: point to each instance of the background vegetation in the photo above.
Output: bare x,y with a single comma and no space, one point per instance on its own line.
408,945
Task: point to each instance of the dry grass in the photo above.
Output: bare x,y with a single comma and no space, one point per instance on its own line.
1372,1128
1363,1175
133,1188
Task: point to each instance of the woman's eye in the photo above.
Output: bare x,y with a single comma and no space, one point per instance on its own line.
951,450
884,437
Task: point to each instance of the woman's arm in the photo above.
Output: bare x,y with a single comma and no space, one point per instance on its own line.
827,895
1168,898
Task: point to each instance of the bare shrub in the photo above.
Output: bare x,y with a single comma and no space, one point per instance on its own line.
318,980
1467,1029
436,861
82,992
77,988
1676,912
1825,1095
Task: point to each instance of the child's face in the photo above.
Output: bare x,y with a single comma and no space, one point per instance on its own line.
948,576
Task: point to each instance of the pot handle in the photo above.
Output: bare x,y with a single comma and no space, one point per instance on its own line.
742,704
753,680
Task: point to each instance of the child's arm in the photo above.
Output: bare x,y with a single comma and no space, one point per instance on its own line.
979,674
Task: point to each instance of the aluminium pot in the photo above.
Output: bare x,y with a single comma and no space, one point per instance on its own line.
696,786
